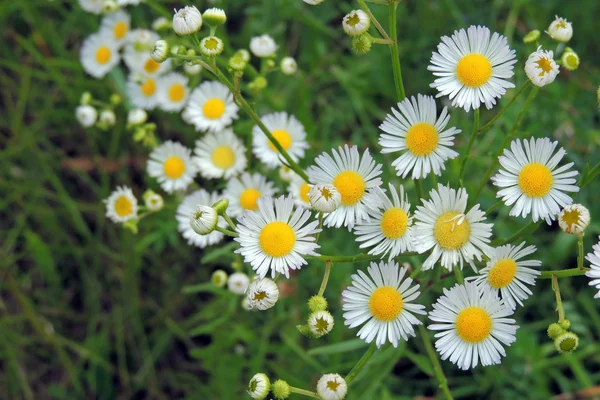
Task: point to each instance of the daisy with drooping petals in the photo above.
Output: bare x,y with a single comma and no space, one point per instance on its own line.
211,107
244,191
473,326
355,180
531,181
220,155
473,67
332,387
143,91
121,205
99,54
276,236
299,189
560,30
456,237
117,25
383,302
416,129
262,293
173,92
288,132
171,163
185,211
574,218
504,273
389,228
540,67
594,272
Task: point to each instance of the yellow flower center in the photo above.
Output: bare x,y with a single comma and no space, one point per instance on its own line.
151,66
148,88
248,199
473,325
571,218
304,190
321,325
211,43
213,108
332,385
283,138
277,239
502,274
421,139
394,223
561,24
223,157
351,187
174,167
353,20
120,30
123,206
474,70
260,296
449,234
545,65
535,180
103,55
177,92
572,61
385,303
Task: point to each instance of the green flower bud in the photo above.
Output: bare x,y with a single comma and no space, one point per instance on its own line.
362,44
116,99
237,63
259,386
305,330
211,46
86,98
317,303
281,389
219,278
131,225
566,343
532,36
570,60
259,83
214,17
554,330
270,63
565,324
221,206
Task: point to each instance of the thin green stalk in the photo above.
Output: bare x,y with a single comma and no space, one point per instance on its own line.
492,208
378,26
320,226
416,271
394,51
463,164
361,363
303,392
499,242
563,273
580,247
458,274
437,367
418,188
559,305
229,222
226,231
328,266
382,41
506,107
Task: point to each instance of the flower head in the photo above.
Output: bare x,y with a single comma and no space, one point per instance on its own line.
263,46
540,67
320,323
204,220
161,51
171,164
211,46
186,21
570,60
219,278
262,293
288,66
244,191
238,283
220,155
324,198
173,92
121,205
356,23
259,386
214,16
99,54
594,272
287,131
211,107
574,218
560,30
188,208
332,387
86,115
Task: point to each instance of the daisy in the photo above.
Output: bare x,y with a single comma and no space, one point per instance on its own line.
332,387
354,179
117,26
259,386
472,67
211,107
356,22
416,129
288,132
238,283
143,91
324,198
276,237
540,67
574,219
173,92
504,273
473,326
171,163
389,228
220,155
204,220
560,30
442,225
384,302
299,189
594,272
320,323
263,46
121,205
531,181
262,293
187,208
86,115
99,54
244,191
187,20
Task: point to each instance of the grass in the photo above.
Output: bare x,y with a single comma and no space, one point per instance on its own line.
88,310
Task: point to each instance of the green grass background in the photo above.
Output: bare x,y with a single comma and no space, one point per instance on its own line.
89,310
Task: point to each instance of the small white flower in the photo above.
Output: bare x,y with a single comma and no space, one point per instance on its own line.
300,189
356,22
186,21
153,201
560,30
259,386
143,91
288,66
160,51
187,208
109,6
107,117
238,283
287,131
121,205
211,46
262,293
161,23
137,116
594,272
320,323
211,107
117,24
171,163
220,155
286,174
99,54
204,220
540,67
173,92
92,6
244,191
324,198
332,386
574,218
192,69
86,115
263,46
214,16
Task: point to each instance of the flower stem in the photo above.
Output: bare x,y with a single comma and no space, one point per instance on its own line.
394,51
580,247
437,367
226,231
506,107
463,164
458,274
320,226
518,234
306,393
559,305
366,9
563,273
416,270
328,265
229,221
361,363
492,208
418,188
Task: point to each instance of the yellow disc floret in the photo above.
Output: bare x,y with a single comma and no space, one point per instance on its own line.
248,199
176,92
394,223
503,273
174,167
277,239
571,218
120,30
385,303
351,187
223,157
474,70
151,66
545,65
448,233
148,88
535,180
283,138
123,206
473,325
304,190
103,55
421,139
213,108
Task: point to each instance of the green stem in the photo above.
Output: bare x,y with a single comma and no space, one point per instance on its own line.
418,188
492,208
382,41
580,247
506,107
303,392
384,2
226,231
320,226
437,367
366,9
515,236
356,257
361,363
229,221
563,273
416,271
559,305
328,266
458,274
463,164
394,51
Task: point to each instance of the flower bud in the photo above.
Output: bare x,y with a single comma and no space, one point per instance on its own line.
560,30
192,69
570,60
313,2
263,46
324,198
554,330
332,387
259,386
86,98
320,323
540,67
153,201
237,63
238,283
211,46
532,36
161,51
219,278
362,44
115,99
214,17
288,66
107,118
243,54
204,220
574,218
221,206
317,303
109,6
86,115
259,83
566,343
262,294
186,21
131,225
136,117
281,389
565,324
356,22
161,23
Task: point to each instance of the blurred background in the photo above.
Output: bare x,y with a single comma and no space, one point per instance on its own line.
90,310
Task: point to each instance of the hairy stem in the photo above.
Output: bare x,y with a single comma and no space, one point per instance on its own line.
437,367
580,248
361,363
394,51
378,26
328,265
226,231
563,273
506,107
559,305
463,164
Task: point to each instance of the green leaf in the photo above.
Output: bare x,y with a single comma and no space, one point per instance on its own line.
42,256
421,362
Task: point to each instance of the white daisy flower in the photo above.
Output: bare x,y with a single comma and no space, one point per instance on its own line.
186,21
531,181
390,226
320,323
355,180
117,26
211,107
244,191
324,198
594,272
442,225
299,189
99,54
416,129
121,205
238,283
211,46
220,155
473,326
259,386
137,116
560,30
383,302
92,6
204,220
288,66
143,91
86,115
186,210
171,163
153,201
504,273
472,67
137,54
540,67
173,92
262,293
356,22
276,236
288,132
574,219
263,46
331,386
